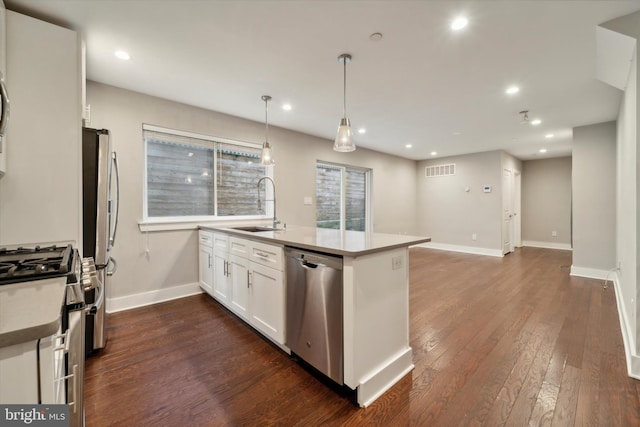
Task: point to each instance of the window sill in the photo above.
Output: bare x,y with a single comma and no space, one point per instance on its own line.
152,225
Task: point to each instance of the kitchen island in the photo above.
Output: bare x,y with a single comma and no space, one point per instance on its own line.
375,284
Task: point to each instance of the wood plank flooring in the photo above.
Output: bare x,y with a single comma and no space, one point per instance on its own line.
511,341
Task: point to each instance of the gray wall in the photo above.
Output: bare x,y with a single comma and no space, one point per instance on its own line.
449,214
594,196
172,257
546,202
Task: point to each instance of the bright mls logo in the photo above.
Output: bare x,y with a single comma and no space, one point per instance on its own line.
34,415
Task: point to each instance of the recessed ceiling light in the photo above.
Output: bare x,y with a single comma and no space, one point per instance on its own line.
286,107
536,122
408,146
375,37
362,130
434,153
459,23
121,54
549,135
511,90
543,150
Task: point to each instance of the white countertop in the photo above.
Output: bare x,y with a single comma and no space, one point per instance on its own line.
345,243
30,310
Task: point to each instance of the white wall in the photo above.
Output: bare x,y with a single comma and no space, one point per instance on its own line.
450,215
627,197
627,207
172,258
546,202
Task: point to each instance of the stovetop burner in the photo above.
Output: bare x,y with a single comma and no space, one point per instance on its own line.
25,264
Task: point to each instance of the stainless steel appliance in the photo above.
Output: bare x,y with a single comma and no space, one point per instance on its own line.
314,310
27,264
100,197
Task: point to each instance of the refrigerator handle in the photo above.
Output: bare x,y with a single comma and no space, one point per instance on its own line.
4,98
114,229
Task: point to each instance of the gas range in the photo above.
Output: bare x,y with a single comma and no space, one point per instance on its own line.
23,264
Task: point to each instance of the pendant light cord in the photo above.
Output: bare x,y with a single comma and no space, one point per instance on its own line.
266,117
344,91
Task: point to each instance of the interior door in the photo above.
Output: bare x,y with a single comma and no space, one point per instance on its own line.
507,212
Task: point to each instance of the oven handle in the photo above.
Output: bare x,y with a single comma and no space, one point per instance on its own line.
93,308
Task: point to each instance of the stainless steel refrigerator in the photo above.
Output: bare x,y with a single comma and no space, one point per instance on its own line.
100,197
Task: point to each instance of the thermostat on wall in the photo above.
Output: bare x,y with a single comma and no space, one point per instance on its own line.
486,189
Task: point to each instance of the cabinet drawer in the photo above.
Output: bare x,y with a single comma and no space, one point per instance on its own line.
221,241
206,239
240,247
268,255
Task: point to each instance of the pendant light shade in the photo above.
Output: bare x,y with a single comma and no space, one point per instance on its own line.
344,139
266,155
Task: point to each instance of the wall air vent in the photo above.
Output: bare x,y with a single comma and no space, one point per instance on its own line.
440,170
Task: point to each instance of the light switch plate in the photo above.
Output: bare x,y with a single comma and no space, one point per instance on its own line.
308,200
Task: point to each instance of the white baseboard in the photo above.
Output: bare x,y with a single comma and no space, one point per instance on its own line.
633,359
465,249
152,297
376,384
547,245
592,273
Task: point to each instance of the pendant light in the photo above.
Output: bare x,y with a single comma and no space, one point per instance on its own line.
266,156
344,139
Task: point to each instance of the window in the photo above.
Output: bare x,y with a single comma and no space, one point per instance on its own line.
192,176
342,197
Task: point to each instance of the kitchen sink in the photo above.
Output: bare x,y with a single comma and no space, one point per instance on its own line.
254,228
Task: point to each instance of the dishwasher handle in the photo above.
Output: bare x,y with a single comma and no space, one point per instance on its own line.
309,265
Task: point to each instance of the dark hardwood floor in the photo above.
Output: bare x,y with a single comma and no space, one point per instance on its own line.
509,341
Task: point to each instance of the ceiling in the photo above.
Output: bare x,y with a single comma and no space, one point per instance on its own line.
421,84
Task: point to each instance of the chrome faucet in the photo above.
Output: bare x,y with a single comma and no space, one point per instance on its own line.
276,221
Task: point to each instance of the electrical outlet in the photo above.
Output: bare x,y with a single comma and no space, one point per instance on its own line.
474,236
554,233
396,263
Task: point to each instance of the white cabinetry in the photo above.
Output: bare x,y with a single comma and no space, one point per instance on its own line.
221,268
266,301
3,74
205,263
43,149
248,279
240,292
31,372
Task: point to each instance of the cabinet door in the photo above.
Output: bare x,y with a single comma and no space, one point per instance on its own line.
205,275
220,276
267,301
239,269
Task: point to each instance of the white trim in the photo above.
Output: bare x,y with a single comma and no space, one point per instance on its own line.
632,358
192,224
152,297
154,128
376,384
547,245
591,273
465,249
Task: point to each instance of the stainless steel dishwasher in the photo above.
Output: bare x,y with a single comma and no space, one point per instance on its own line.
314,310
